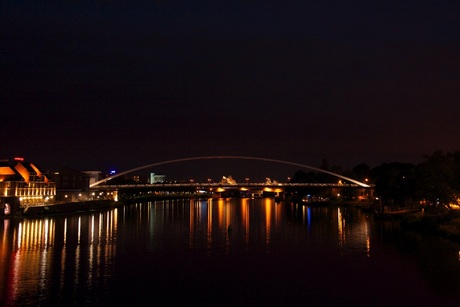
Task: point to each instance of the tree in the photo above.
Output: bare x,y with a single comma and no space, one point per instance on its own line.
438,178
361,172
394,183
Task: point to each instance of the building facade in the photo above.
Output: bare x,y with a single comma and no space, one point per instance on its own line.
23,184
155,178
72,185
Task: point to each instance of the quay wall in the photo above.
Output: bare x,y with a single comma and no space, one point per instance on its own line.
71,207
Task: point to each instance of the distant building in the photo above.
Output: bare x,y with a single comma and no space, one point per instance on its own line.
94,176
154,178
227,180
72,185
23,184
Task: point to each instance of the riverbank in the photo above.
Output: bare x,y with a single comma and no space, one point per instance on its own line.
71,207
439,221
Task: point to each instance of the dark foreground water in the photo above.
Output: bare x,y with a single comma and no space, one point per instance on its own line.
183,252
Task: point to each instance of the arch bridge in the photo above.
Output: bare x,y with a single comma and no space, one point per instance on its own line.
225,188
351,180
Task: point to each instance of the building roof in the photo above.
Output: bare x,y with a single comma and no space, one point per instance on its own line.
18,169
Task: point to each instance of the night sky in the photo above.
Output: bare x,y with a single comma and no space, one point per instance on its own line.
95,85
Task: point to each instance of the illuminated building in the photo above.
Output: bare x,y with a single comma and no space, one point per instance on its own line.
22,184
154,178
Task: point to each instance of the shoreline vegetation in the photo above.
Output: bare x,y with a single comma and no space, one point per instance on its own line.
435,220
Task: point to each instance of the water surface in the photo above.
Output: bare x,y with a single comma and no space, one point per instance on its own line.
227,251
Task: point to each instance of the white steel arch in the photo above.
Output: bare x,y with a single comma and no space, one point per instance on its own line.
228,157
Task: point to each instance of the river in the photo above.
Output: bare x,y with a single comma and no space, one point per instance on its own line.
227,252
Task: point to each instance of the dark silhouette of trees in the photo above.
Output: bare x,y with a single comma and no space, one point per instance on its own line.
395,183
361,172
435,181
438,178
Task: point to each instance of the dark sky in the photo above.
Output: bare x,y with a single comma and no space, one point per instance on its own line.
102,84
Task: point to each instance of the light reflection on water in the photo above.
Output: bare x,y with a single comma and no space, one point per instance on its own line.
273,252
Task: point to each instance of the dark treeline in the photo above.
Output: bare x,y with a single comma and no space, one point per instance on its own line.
435,181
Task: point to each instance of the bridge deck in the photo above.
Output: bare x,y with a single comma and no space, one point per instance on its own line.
225,185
